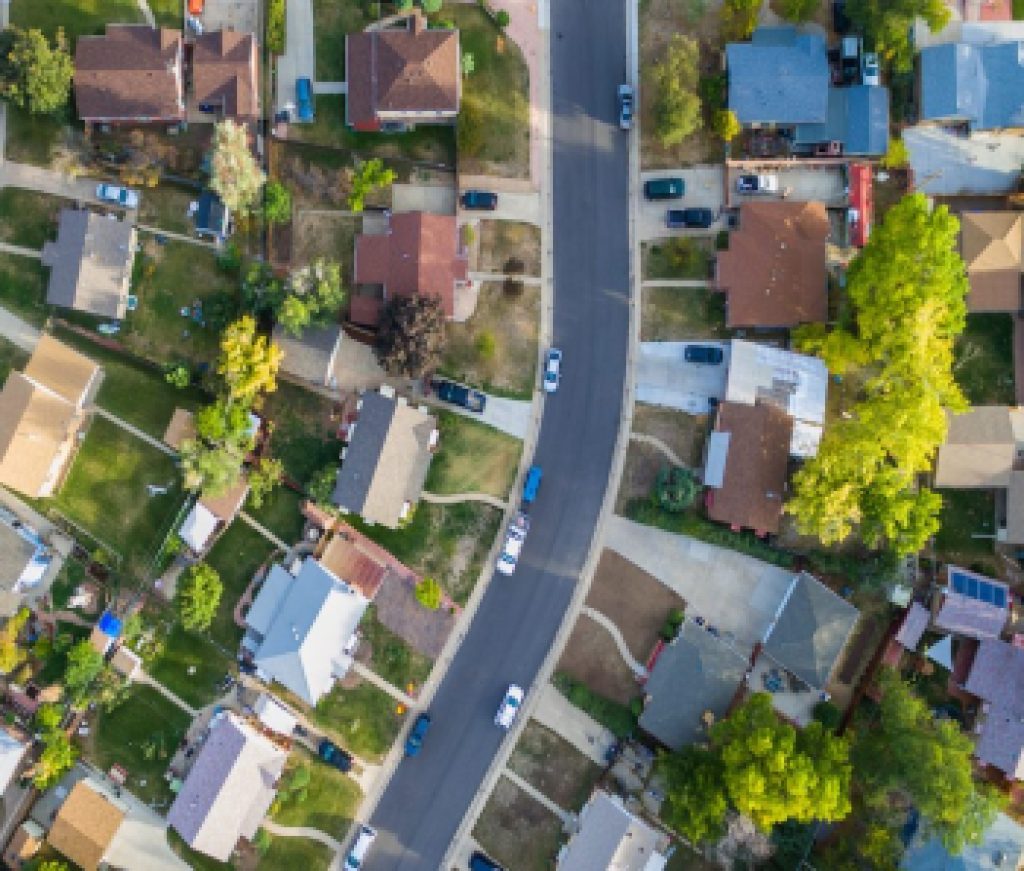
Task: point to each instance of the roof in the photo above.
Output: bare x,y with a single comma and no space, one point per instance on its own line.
386,461
781,76
810,630
274,715
1001,849
774,270
997,677
62,370
211,215
226,506
90,263
610,837
198,527
1015,509
303,647
419,253
225,72
12,752
979,449
857,116
717,453
992,247
981,84
750,495
229,789
711,671
85,825
407,72
181,428
16,552
133,72
914,624
359,562
268,600
965,611
310,357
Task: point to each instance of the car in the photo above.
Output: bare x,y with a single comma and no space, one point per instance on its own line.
531,485
304,99
693,218
113,193
332,754
364,840
757,184
664,188
552,370
515,535
414,742
510,706
458,394
869,71
710,355
481,862
625,106
484,200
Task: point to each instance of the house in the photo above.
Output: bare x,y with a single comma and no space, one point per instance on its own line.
972,604
14,748
91,263
226,75
773,274
1001,849
980,448
299,629
274,715
132,74
364,564
85,825
746,466
992,248
27,840
978,85
211,515
857,116
402,76
710,669
609,837
996,678
212,219
24,564
326,356
42,412
419,253
386,461
229,789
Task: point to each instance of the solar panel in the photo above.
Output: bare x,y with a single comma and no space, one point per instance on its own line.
980,589
1000,596
985,593
958,583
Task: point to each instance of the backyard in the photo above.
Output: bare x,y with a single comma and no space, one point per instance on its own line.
672,314
967,525
363,717
29,218
166,207
472,457
317,233
190,666
517,830
331,799
303,436
35,139
23,287
984,360
76,17
280,513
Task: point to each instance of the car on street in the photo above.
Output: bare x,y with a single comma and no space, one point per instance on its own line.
531,485
757,184
114,193
869,72
458,394
364,840
510,706
416,735
625,106
304,99
699,219
515,536
332,754
710,355
664,188
484,200
552,370
481,862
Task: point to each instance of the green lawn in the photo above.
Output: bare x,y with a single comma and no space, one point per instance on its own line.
32,138
331,797
616,717
11,357
288,854
166,206
472,457
682,257
984,359
29,218
76,17
671,314
23,287
184,651
364,718
280,514
302,437
393,659
332,19
1018,10
168,13
142,734
965,513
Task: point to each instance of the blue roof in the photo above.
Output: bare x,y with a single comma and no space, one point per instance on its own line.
858,117
211,215
781,76
981,84
110,625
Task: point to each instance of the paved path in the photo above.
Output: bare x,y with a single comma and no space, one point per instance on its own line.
532,280
145,678
135,431
620,643
330,87
147,13
534,793
262,530
181,237
21,175
18,331
456,498
310,834
557,713
654,441
299,58
380,683
8,248
676,282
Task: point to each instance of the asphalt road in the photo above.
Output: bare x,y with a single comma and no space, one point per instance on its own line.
519,616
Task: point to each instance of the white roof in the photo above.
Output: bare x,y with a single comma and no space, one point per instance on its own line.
610,837
947,164
274,715
12,751
268,600
714,466
198,527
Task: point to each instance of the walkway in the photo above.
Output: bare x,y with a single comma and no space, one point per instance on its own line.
147,679
8,248
262,530
379,682
330,87
18,331
654,441
567,818
676,282
310,834
555,712
180,237
616,635
456,498
135,431
47,181
532,280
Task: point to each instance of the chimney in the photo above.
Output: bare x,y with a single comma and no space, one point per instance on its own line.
419,22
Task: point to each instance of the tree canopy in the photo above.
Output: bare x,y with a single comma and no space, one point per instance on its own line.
799,10
677,106
368,176
198,596
887,25
739,18
248,361
695,799
314,295
57,758
277,202
411,335
85,663
234,173
35,75
263,478
11,653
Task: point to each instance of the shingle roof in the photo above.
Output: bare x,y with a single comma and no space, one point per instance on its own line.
979,449
997,677
857,116
358,561
982,84
225,72
610,837
992,246
85,825
914,624
964,615
309,357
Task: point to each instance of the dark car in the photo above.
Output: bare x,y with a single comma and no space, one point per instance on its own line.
332,754
664,188
484,200
709,354
304,99
479,862
457,394
416,735
694,218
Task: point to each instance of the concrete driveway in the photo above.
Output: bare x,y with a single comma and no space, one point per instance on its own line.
803,182
511,207
432,198
704,189
511,416
664,378
737,594
299,58
944,164
240,15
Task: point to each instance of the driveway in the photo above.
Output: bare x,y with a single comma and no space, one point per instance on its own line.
704,189
299,58
433,198
664,378
511,416
240,15
511,207
803,182
944,164
737,594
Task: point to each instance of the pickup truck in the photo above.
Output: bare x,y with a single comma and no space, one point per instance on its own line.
457,394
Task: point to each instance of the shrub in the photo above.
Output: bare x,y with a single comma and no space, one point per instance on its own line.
828,715
896,156
429,594
486,345
502,18
275,26
675,489
726,124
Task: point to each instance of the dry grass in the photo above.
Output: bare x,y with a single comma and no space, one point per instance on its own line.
503,241
671,314
592,658
517,830
684,433
472,458
331,236
554,766
638,473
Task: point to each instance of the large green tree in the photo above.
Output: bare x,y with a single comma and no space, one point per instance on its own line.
34,74
739,18
368,176
56,759
677,106
695,798
248,362
198,596
887,25
85,663
315,295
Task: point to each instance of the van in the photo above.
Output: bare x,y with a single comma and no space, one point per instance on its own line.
364,840
664,188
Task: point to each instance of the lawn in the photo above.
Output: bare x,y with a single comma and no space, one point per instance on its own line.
331,798
141,734
472,457
965,514
166,206
280,513
168,12
33,139
332,19
11,357
614,716
106,493
392,658
496,349
77,17
984,360
29,218
676,313
184,651
287,854
682,257
23,287
317,233
196,861
302,436
364,718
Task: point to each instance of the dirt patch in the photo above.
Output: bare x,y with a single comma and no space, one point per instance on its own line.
554,766
636,601
639,473
423,630
508,246
674,314
320,233
517,830
592,658
684,433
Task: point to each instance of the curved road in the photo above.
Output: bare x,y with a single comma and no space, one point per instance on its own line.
516,623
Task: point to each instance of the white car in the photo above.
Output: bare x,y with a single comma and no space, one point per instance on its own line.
552,370
510,706
112,193
364,840
870,74
513,546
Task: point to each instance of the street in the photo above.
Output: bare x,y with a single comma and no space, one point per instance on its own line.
519,615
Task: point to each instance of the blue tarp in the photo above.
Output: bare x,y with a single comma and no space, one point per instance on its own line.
110,625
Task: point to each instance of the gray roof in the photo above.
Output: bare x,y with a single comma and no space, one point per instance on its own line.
997,677
810,630
268,600
610,837
697,672
1002,849
16,552
781,76
309,357
982,84
915,621
357,471
965,615
857,116
90,263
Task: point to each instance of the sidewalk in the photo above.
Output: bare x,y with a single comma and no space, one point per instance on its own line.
555,712
18,331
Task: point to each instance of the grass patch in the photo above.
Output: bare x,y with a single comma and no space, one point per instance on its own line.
331,797
364,718
23,287
677,313
167,13
554,766
166,207
472,457
517,830
1018,10
393,659
303,436
280,513
615,717
29,218
332,19
183,651
33,139
682,257
195,860
287,854
11,357
966,513
984,360
76,17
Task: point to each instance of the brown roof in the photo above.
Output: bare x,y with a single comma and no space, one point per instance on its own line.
131,73
755,466
393,74
181,428
774,271
61,369
992,246
84,826
979,449
420,253
358,561
225,72
229,503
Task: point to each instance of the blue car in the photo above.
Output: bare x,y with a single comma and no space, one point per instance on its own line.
531,485
416,735
304,99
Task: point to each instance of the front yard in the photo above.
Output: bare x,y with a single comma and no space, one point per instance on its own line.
287,854
166,207
681,257
332,19
517,830
331,799
984,360
76,17
29,218
472,457
390,656
671,314
23,287
554,766
509,246
365,718
35,139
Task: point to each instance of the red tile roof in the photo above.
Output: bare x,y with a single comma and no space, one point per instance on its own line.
225,72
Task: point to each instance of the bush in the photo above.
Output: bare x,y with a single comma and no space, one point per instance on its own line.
275,26
486,345
722,240
672,623
618,719
828,715
713,91
229,259
512,288
470,129
675,489
896,156
429,594
502,18
725,124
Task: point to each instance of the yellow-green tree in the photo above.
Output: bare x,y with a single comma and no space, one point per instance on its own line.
11,654
198,596
248,361
677,106
57,758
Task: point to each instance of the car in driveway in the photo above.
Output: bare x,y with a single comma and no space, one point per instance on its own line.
115,193
304,99
482,862
515,536
758,184
664,188
625,107
510,706
709,355
552,370
364,840
332,754
696,219
414,742
482,200
459,394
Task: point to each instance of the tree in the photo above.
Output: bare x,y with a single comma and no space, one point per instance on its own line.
275,26
33,74
277,202
110,689
53,865
315,294
248,361
739,18
675,489
432,7
198,596
799,11
11,654
695,800
235,175
56,759
210,469
320,487
467,64
677,106
896,156
49,716
502,18
429,594
887,25
726,124
178,376
263,478
368,176
222,422
411,335
85,663
262,291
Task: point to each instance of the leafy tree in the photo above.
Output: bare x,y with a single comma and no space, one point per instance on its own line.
799,11
49,716
887,24
85,663
315,294
677,106
320,487
275,26
11,654
368,176
429,594
502,18
467,63
33,74
263,478
726,124
235,175
411,335
178,376
198,596
56,759
675,489
432,7
277,202
53,865
896,156
248,361
739,18
211,469
110,689
222,422
695,800
262,291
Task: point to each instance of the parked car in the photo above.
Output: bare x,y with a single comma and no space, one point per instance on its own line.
457,394
552,370
332,754
416,735
664,188
510,706
708,354
304,99
114,193
479,200
692,218
515,536
869,71
531,485
364,840
625,106
758,184
479,862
